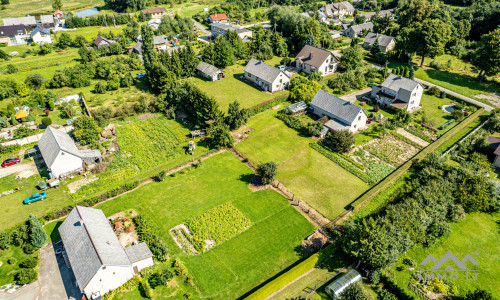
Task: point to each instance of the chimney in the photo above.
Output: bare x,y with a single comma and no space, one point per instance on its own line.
311,55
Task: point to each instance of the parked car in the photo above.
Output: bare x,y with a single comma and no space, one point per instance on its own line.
141,75
10,162
35,197
369,121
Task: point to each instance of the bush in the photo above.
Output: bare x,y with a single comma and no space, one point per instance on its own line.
146,289
25,276
12,261
267,172
29,263
409,262
341,140
46,121
436,65
100,88
160,278
457,115
286,61
434,91
354,292
37,235
11,69
29,249
148,233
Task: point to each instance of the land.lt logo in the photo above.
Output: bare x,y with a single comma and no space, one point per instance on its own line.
454,266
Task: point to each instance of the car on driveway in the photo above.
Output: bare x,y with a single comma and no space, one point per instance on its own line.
35,198
10,162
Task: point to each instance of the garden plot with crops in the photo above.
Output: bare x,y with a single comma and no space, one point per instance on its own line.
210,229
391,150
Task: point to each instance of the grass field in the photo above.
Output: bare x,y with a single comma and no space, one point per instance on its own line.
477,235
315,179
431,108
20,8
91,32
7,271
233,268
234,88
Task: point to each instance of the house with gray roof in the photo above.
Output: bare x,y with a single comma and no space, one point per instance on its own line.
313,59
103,42
267,77
61,155
386,43
98,260
28,21
220,29
47,21
209,71
337,10
398,92
358,30
382,13
343,114
13,35
41,36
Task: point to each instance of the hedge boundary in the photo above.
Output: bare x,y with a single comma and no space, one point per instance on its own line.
282,280
374,191
252,111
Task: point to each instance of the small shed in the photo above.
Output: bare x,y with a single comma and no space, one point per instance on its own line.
296,108
336,288
197,133
209,71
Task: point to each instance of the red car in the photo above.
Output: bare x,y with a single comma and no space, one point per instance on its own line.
369,121
10,162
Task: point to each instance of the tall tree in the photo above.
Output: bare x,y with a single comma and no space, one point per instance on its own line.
236,115
57,4
487,56
310,40
352,57
37,235
414,11
434,34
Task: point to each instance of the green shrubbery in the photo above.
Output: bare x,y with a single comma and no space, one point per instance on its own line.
148,233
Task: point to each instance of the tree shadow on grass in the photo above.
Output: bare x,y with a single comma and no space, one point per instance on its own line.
247,178
54,234
462,80
241,78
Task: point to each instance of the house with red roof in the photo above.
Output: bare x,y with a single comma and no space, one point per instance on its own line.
217,18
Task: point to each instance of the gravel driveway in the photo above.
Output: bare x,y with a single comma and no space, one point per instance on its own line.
25,170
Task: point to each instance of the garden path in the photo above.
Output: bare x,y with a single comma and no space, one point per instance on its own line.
416,139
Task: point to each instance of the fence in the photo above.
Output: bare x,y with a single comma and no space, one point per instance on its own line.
465,137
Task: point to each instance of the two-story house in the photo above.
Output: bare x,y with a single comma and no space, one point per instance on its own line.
386,43
337,10
267,77
358,30
41,36
398,92
13,35
313,59
217,18
220,29
156,13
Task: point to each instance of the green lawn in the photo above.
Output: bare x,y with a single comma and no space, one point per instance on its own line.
431,106
7,271
321,183
477,235
20,8
91,32
234,88
233,268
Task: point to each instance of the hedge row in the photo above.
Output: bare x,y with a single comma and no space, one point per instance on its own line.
374,191
343,163
292,122
403,138
252,111
9,148
418,133
296,271
352,161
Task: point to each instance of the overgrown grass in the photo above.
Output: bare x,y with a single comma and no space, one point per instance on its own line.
20,8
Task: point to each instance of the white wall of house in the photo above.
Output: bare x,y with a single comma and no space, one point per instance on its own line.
66,163
42,38
329,66
413,100
359,123
416,96
280,83
148,262
108,278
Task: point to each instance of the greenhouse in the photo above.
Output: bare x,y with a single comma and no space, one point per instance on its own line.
339,285
296,108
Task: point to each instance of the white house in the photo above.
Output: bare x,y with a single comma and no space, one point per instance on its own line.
13,35
209,71
218,29
61,155
269,78
355,31
41,36
386,43
313,59
97,259
337,10
398,92
343,114
217,18
154,23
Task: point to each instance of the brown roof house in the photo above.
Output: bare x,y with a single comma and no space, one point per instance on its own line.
156,13
386,43
267,77
313,59
13,35
103,42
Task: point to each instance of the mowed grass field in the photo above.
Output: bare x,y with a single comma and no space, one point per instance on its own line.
231,269
234,88
313,178
21,8
477,235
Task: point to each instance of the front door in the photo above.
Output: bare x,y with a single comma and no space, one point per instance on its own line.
136,270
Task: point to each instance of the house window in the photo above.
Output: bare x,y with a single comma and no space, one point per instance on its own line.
359,118
354,126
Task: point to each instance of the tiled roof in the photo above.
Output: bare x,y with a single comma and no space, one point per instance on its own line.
207,68
154,10
218,17
398,82
313,56
29,20
53,141
360,27
383,40
341,109
12,30
138,252
42,30
262,70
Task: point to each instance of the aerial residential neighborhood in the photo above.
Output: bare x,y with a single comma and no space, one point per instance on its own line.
222,149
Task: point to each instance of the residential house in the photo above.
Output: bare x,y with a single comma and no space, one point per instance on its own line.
58,14
495,146
13,35
386,43
269,78
94,253
335,34
382,14
313,59
337,10
41,36
209,71
398,92
102,42
358,30
160,42
47,21
221,29
154,23
156,13
61,155
28,21
217,18
67,99
343,114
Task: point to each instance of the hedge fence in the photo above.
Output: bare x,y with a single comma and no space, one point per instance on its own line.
252,111
301,268
369,195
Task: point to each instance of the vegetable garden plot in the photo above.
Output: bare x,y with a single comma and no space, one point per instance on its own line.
391,150
152,141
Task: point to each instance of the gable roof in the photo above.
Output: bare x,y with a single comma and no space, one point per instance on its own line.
12,30
360,27
207,68
53,141
29,20
494,144
383,40
313,56
382,13
47,19
262,70
341,109
100,39
138,252
41,29
90,243
398,82
343,5
153,10
218,17
160,39
227,26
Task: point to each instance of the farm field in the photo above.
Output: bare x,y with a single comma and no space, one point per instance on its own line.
477,235
20,8
240,263
233,88
91,32
315,179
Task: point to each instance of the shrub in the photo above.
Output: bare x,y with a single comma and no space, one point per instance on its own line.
354,291
267,172
188,295
161,277
286,61
37,235
314,128
100,88
434,91
46,121
29,249
341,140
146,289
35,80
11,69
12,261
436,65
148,233
457,115
409,262
375,277
25,276
29,263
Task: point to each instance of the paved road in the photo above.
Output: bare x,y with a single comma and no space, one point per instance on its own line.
33,138
352,97
266,24
28,292
201,28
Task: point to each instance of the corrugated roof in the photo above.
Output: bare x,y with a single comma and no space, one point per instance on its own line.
29,20
160,39
313,56
207,68
53,141
138,252
398,82
341,109
47,19
383,40
262,70
90,243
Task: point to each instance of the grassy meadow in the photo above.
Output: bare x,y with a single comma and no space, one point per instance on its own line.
21,8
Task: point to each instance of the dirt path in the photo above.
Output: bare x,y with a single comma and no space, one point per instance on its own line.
352,97
24,170
416,139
